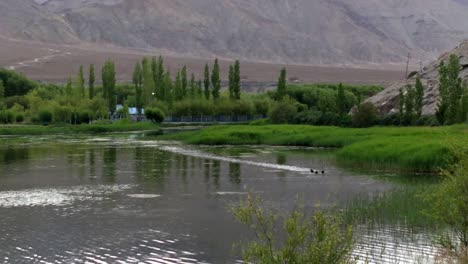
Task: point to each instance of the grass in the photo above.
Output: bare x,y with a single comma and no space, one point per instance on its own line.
70,129
423,149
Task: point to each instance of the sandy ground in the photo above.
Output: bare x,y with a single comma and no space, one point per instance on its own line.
53,63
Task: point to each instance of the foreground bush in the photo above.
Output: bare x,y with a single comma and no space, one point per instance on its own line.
155,115
320,239
450,207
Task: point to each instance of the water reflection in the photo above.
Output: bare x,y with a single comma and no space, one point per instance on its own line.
119,199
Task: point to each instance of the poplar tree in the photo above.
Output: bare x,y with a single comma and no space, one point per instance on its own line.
81,81
443,102
2,89
237,80
178,87
455,90
68,87
108,84
281,90
193,86
341,100
159,79
231,82
409,103
215,80
148,81
402,105
92,79
199,89
168,88
418,103
206,82
184,80
138,82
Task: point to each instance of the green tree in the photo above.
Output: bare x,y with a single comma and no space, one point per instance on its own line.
366,115
69,87
81,82
341,100
193,87
215,80
409,103
402,100
199,88
168,88
138,82
231,82
148,81
443,103
156,115
418,103
449,206
178,87
206,82
319,239
159,79
108,85
455,90
281,89
237,81
2,89
184,82
92,79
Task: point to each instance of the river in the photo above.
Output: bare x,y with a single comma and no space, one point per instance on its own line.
130,199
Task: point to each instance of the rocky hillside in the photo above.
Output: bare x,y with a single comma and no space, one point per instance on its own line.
295,31
388,100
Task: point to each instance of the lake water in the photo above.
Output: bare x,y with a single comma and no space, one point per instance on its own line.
129,199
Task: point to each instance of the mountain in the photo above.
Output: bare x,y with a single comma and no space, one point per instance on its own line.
291,31
388,100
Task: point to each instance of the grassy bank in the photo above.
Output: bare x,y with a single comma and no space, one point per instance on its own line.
70,129
413,148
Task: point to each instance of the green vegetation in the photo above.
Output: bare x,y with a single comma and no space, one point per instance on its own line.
316,239
413,148
100,127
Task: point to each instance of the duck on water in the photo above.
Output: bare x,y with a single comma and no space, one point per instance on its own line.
317,171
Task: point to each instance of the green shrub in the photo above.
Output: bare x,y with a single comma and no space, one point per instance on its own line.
7,117
283,112
19,117
365,115
44,117
155,115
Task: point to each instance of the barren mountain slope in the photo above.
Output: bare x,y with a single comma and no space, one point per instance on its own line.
388,100
301,31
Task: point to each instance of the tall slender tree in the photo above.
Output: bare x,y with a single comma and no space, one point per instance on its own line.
159,79
199,89
231,82
108,85
443,102
69,87
237,80
193,86
215,80
184,80
455,90
2,89
409,103
341,100
92,79
138,82
206,82
80,82
168,88
281,90
148,81
418,103
402,105
178,87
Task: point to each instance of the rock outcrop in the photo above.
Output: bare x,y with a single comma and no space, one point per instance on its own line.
388,100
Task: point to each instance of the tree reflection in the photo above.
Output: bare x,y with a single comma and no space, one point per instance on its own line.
235,173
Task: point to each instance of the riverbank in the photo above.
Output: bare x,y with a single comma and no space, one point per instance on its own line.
74,129
424,149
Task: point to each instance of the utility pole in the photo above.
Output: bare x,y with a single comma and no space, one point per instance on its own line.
407,65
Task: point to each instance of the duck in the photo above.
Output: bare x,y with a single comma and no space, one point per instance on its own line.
316,171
